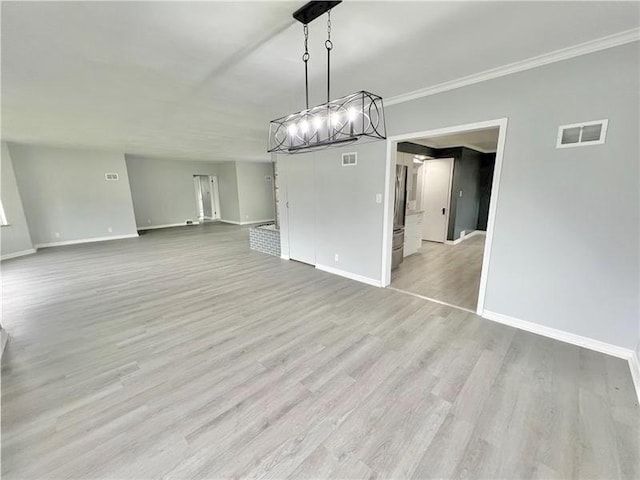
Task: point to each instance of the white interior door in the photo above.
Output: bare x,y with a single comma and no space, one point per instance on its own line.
205,188
301,208
436,192
198,187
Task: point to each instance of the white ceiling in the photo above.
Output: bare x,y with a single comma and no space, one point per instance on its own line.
483,140
201,80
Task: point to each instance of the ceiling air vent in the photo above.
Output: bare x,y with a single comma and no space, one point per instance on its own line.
349,159
111,177
582,134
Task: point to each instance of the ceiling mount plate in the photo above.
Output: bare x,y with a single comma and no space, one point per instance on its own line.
312,10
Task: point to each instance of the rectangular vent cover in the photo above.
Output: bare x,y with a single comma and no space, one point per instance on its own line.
582,134
112,177
349,159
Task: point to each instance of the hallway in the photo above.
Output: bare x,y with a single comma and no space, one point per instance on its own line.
446,273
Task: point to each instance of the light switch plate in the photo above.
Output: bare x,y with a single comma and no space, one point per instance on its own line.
378,198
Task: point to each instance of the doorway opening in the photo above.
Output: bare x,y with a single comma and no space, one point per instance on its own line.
207,197
444,197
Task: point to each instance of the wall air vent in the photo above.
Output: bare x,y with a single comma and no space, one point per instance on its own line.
582,134
349,159
111,177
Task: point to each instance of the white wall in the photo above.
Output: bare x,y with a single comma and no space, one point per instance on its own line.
64,191
348,221
565,252
14,238
255,193
228,186
163,190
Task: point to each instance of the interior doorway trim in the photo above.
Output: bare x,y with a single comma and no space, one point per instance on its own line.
392,142
214,197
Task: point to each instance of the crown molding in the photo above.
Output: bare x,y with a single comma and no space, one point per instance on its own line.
621,38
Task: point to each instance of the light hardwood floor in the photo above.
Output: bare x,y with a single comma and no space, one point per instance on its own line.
448,273
182,354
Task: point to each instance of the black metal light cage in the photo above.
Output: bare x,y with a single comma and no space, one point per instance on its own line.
343,120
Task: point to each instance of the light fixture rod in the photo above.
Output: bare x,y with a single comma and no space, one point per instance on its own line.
305,59
306,84
329,45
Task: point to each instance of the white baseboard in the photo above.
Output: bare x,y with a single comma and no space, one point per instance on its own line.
352,276
85,240
465,236
474,233
561,335
596,345
168,225
250,222
18,254
285,257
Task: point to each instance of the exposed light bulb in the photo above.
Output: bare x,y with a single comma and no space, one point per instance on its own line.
335,118
304,126
353,114
293,129
317,122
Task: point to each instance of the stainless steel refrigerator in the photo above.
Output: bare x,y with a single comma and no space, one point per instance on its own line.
399,207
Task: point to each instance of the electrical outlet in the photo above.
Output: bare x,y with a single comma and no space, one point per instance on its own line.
110,229
378,198
57,234
149,221
461,193
337,257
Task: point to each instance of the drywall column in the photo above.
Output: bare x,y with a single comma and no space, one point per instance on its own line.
255,192
283,210
228,186
15,239
465,197
348,217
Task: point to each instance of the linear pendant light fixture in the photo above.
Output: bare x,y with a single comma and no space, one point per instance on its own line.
336,122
